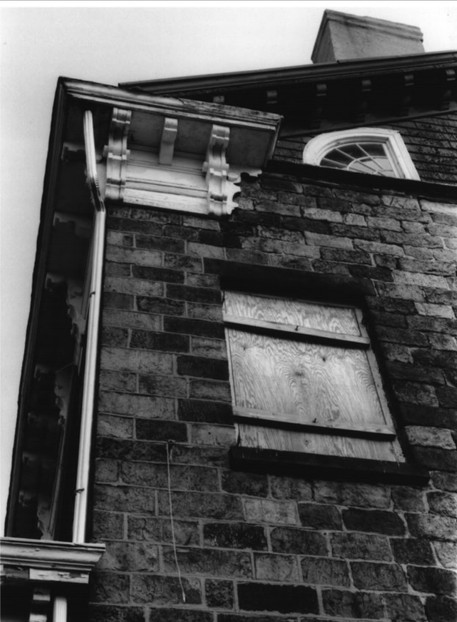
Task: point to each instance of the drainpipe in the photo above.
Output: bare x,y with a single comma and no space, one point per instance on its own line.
90,368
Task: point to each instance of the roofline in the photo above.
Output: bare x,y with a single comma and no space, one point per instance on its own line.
313,73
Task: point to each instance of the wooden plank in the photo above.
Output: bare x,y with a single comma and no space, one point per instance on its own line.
297,332
320,444
284,421
292,312
305,381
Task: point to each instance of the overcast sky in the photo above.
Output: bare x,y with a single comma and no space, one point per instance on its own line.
110,43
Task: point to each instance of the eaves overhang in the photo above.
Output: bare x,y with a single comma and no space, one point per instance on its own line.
171,152
329,95
322,72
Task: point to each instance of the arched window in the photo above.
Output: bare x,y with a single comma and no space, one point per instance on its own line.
373,151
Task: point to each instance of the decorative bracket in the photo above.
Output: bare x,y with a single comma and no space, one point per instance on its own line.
167,143
217,171
116,154
406,93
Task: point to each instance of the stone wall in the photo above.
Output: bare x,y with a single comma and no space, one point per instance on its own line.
431,142
261,546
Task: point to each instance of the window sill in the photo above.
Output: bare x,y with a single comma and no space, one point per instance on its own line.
326,467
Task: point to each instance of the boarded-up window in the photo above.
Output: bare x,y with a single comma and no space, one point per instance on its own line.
304,378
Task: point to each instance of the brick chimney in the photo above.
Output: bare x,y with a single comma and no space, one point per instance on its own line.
342,37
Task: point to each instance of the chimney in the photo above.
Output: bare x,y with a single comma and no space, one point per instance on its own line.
343,37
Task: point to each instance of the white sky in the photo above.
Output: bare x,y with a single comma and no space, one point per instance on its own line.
110,43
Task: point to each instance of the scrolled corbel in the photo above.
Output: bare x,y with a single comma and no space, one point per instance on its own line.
116,153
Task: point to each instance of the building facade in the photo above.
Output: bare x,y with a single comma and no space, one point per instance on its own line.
239,391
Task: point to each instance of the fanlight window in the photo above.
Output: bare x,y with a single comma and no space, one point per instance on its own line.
373,151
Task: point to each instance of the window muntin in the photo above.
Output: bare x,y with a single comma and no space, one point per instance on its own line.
374,151
304,378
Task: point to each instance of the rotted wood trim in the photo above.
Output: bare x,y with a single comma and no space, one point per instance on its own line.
309,466
48,560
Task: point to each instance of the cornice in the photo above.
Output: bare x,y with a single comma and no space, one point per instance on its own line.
48,560
323,72
172,107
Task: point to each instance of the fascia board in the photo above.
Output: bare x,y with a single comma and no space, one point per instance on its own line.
322,72
179,108
41,556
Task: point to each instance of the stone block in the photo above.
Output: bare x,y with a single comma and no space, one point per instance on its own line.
446,553
159,530
166,386
136,405
160,243
432,580
120,359
352,494
106,471
110,587
235,536
342,603
207,434
149,304
319,516
267,511
441,609
404,608
162,590
219,594
430,437
360,546
434,527
107,525
202,367
202,328
408,499
290,488
445,481
442,503
204,411
132,286
379,576
280,598
129,319
125,556
157,274
252,484
270,567
167,342
111,613
118,381
209,562
117,427
324,571
161,430
376,521
203,346
133,256
124,499
412,551
298,541
201,505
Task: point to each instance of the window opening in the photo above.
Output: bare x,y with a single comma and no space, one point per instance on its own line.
304,378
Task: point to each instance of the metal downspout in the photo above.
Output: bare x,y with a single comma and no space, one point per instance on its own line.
87,410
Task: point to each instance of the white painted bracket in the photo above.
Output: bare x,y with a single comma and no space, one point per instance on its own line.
217,170
167,143
116,154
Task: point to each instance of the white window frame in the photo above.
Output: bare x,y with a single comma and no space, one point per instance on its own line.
396,150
